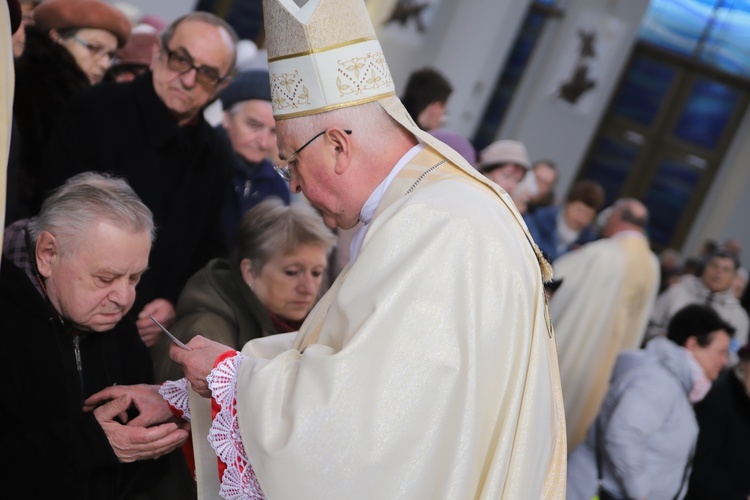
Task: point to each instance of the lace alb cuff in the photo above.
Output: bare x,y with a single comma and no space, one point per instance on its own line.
238,480
175,393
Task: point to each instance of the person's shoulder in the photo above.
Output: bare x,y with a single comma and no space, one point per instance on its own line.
587,235
683,287
545,219
547,213
456,199
100,98
211,288
205,279
544,212
102,105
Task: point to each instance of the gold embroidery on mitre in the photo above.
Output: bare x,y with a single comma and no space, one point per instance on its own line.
323,49
331,107
288,91
360,74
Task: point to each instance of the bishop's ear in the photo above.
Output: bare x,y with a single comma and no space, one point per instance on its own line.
342,141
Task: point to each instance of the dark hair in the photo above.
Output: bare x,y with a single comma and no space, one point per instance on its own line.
424,87
709,246
588,192
722,253
699,321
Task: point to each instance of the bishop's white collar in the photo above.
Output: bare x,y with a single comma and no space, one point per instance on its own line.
371,205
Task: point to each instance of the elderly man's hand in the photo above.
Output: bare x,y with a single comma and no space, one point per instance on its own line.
152,407
163,311
199,362
132,443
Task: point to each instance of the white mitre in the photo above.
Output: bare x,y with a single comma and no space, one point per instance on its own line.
324,56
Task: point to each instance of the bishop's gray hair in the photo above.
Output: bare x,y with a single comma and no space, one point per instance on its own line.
368,120
85,199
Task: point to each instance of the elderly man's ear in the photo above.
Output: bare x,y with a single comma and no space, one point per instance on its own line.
343,144
46,253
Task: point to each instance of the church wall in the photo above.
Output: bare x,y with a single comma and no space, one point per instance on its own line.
550,127
167,11
725,210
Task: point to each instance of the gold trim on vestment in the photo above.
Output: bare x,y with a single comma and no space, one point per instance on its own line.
334,106
323,49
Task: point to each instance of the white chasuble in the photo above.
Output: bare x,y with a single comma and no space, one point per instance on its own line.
607,295
426,372
7,85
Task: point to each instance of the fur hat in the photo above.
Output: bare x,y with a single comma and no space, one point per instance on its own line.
64,14
501,152
246,85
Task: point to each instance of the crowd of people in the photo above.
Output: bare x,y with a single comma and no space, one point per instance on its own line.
360,303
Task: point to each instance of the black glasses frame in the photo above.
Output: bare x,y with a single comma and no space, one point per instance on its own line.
180,63
284,171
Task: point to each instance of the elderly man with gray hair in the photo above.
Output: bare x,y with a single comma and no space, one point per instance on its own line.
67,281
151,131
249,125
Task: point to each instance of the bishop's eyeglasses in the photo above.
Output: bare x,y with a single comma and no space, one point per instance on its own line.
284,170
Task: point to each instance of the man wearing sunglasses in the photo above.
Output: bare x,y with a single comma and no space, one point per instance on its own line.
152,132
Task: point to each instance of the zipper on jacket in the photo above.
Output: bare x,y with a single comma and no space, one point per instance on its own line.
77,347
79,365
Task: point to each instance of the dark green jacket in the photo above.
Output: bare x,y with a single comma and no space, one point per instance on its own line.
217,304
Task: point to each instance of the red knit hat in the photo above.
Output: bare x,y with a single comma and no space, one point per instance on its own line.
62,14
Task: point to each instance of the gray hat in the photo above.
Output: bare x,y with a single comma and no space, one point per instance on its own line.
245,86
501,152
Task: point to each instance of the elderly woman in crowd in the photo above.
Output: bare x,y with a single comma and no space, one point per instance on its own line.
642,442
722,457
279,257
69,47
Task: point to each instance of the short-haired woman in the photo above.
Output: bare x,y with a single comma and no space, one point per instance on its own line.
642,442
278,260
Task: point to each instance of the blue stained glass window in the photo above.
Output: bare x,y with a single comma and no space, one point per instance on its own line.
714,31
668,197
511,75
610,165
643,90
706,113
727,41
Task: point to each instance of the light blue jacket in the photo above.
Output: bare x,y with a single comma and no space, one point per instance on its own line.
647,425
